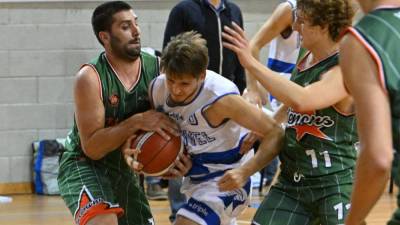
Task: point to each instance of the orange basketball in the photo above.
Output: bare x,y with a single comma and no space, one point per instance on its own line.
157,155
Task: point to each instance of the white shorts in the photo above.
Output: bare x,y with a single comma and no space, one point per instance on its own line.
206,205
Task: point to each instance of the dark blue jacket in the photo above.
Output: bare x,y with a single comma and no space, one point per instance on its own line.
198,15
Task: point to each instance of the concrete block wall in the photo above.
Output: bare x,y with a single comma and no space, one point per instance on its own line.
42,45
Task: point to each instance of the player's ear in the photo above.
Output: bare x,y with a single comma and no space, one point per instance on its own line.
202,75
104,37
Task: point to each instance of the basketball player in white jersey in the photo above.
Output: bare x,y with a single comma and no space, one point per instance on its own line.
283,49
211,115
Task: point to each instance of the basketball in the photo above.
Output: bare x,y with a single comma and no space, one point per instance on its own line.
156,155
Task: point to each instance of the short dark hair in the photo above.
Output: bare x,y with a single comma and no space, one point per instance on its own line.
102,17
187,53
337,15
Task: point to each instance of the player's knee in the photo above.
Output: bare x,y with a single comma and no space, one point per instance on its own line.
104,219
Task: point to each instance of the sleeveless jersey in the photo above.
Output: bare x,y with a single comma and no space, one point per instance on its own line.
379,32
319,143
119,103
213,149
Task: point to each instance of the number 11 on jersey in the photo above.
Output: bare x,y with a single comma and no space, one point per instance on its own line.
314,159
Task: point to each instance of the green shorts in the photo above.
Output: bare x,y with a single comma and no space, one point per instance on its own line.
89,188
287,204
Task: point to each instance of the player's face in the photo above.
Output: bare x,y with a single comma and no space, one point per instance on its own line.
125,35
309,34
183,88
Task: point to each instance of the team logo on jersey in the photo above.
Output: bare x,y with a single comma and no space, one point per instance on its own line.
309,123
176,116
88,206
114,100
193,120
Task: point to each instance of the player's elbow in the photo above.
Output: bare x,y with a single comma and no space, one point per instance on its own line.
297,105
276,134
91,152
383,163
301,104
379,162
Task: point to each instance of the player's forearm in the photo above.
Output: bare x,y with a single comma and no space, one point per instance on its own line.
269,148
367,191
250,80
290,93
106,140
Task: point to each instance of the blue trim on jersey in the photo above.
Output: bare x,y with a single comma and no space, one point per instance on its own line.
208,176
225,157
203,211
247,187
206,106
280,66
237,198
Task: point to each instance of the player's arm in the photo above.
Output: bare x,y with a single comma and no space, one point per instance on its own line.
326,92
96,140
235,107
280,115
374,128
280,19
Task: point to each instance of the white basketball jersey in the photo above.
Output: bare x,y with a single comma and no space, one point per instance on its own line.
213,149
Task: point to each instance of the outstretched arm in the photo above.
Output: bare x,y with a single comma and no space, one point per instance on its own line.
321,94
280,19
374,129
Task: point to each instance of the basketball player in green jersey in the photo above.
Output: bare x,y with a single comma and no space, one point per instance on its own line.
370,54
111,104
319,152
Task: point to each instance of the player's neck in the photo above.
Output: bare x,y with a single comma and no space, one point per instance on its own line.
324,50
127,71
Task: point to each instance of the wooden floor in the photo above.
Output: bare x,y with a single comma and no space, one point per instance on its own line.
45,210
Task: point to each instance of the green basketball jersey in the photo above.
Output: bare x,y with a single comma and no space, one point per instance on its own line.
119,103
318,143
379,31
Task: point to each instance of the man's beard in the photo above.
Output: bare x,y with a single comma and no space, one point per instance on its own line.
125,51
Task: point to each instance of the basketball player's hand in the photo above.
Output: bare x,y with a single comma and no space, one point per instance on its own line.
130,155
235,40
232,179
248,142
159,122
182,166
